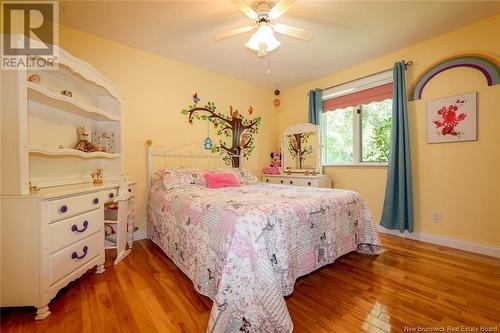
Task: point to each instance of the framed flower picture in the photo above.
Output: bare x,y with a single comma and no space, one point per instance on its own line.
452,119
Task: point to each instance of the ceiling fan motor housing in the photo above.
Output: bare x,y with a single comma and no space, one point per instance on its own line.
262,9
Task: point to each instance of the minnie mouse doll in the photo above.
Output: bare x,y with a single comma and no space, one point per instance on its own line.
275,167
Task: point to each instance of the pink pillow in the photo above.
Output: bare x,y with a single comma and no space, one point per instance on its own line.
221,179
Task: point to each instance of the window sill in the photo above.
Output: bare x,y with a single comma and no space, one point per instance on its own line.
356,165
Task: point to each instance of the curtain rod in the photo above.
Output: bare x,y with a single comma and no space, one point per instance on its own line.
405,63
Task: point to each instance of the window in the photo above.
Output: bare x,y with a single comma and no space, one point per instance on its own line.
356,121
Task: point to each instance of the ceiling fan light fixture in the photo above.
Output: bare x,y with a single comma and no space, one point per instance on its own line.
263,40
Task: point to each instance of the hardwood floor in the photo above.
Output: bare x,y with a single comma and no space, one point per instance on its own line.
411,284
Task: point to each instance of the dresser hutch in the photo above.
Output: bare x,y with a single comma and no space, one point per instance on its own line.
52,214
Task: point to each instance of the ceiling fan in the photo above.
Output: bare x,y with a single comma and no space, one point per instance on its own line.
263,40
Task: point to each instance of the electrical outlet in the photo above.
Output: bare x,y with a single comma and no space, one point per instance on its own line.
436,217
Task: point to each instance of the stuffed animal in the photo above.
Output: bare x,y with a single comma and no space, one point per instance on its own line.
276,159
275,166
83,141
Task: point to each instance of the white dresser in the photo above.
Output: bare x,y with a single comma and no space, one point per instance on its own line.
49,239
52,215
299,180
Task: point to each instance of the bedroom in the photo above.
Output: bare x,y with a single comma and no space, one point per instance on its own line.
127,70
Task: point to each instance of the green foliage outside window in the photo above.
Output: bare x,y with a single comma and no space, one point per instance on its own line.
339,136
374,131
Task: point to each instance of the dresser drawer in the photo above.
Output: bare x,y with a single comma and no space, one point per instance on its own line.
69,231
272,180
304,182
63,208
74,256
110,195
297,180
291,181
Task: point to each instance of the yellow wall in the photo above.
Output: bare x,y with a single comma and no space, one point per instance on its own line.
460,180
156,89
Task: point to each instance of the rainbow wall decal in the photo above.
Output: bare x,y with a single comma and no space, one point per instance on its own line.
488,65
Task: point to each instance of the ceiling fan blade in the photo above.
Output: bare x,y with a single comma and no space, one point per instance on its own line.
280,8
293,31
234,32
246,9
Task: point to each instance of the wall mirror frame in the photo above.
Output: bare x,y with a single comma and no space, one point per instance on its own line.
301,148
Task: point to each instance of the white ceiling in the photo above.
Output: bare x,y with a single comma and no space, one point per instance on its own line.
345,32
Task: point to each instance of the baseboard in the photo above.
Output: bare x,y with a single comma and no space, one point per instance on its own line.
445,241
140,234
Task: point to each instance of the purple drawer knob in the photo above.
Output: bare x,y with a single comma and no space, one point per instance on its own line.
291,182
96,201
111,195
74,227
281,182
130,190
63,209
309,183
75,255
267,180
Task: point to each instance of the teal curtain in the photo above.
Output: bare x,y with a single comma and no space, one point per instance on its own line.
315,106
398,202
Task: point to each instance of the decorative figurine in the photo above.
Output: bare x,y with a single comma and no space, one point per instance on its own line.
289,171
97,176
83,141
306,172
66,93
61,147
35,78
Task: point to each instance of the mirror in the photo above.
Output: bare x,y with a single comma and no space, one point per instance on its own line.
301,148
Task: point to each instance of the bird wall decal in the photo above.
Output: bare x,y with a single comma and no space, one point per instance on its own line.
196,99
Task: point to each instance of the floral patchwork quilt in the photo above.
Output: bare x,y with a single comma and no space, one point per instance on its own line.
244,247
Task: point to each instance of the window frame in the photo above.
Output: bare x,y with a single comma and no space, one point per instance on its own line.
349,88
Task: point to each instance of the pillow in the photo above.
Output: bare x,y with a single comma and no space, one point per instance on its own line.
221,179
180,176
245,176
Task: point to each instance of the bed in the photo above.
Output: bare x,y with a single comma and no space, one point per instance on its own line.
244,247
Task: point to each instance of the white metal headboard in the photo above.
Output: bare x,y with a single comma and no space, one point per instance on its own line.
192,151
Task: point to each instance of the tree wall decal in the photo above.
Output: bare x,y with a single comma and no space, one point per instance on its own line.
298,146
234,127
